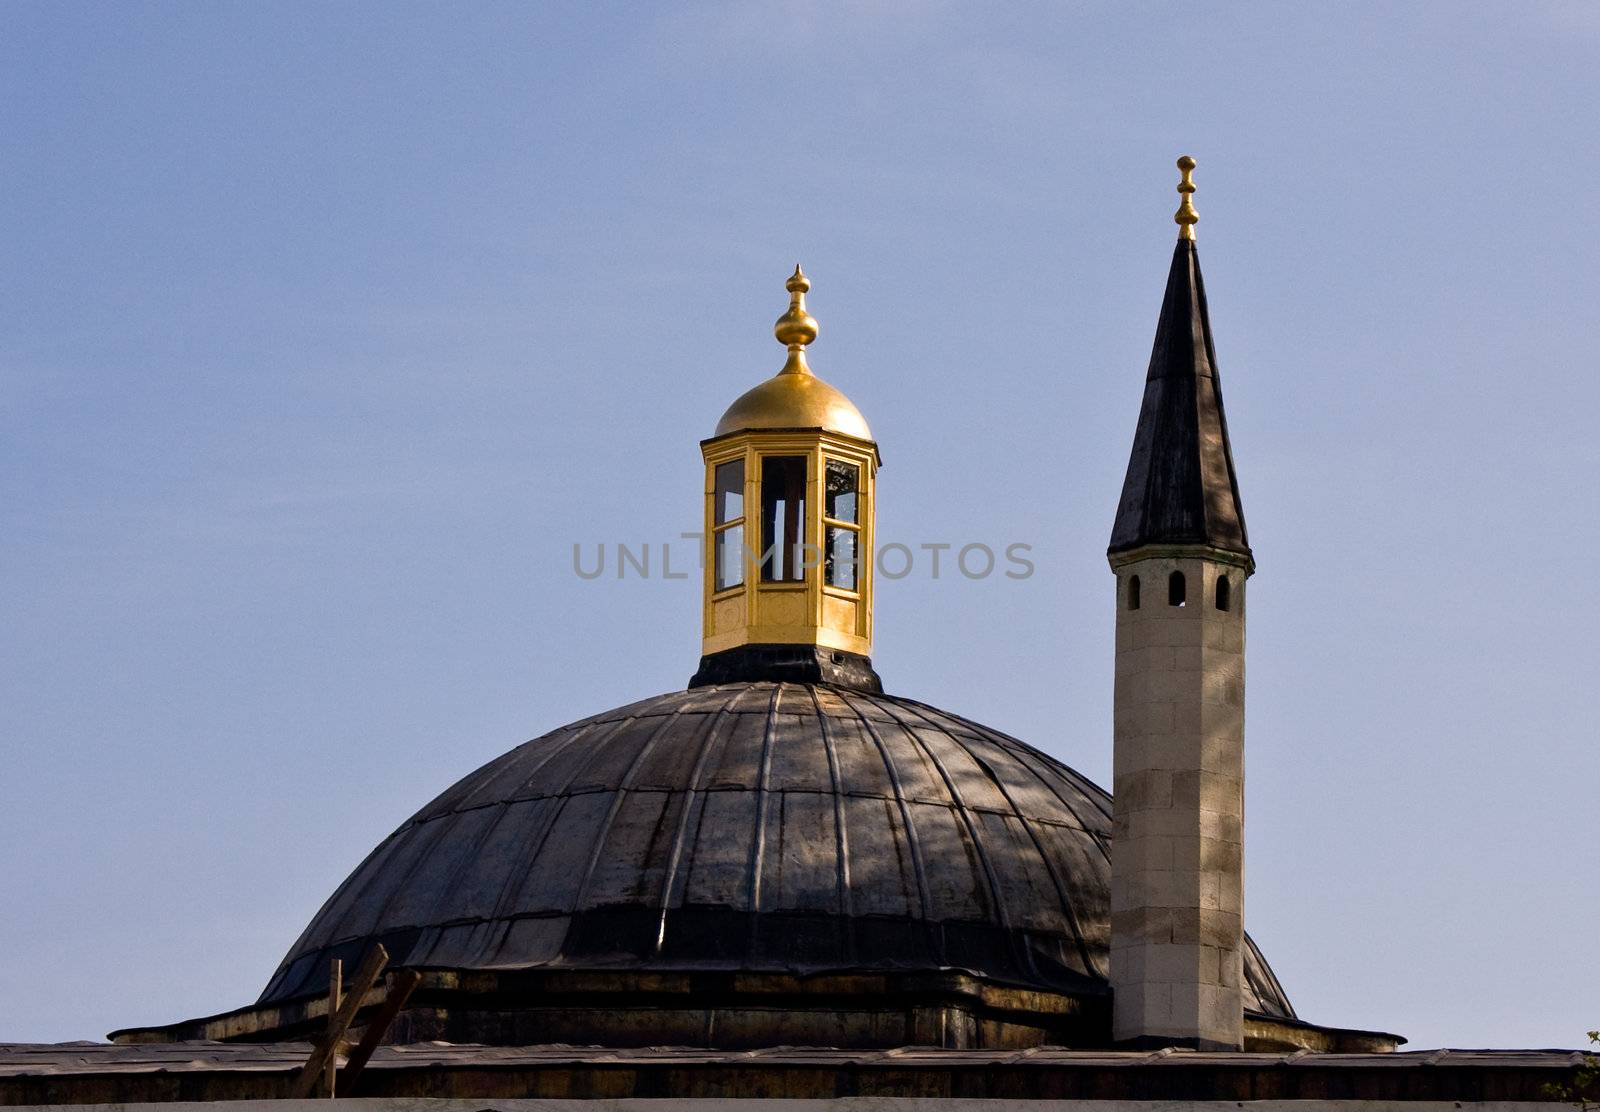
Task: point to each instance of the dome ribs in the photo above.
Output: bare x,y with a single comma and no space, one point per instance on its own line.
714,732
1027,759
524,777
1068,903
1023,955
480,885
1028,756
841,832
550,815
425,899
581,898
282,984
751,828
515,878
913,844
1096,951
451,798
758,838
557,883
1265,990
554,748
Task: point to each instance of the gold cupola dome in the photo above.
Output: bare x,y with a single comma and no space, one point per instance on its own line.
795,398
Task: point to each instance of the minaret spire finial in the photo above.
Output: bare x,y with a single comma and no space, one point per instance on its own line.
1186,218
796,328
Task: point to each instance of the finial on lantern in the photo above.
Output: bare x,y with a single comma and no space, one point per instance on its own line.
796,328
1186,218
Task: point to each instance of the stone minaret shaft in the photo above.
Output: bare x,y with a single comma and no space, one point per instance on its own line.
1181,557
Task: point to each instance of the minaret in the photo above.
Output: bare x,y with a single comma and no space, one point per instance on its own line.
1181,557
790,478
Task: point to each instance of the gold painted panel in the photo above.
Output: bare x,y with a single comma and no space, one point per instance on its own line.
839,613
728,614
782,608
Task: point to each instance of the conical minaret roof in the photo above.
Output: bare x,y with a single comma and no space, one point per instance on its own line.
1181,488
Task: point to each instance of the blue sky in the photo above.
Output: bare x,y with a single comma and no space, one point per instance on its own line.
326,331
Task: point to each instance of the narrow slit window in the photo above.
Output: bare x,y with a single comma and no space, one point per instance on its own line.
1133,592
841,515
1177,589
1224,593
783,519
727,524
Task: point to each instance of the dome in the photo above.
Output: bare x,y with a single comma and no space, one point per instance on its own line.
795,398
794,401
749,827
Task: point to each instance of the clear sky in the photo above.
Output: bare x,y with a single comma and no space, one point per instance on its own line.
326,331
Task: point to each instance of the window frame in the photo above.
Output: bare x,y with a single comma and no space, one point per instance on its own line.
830,523
719,528
761,562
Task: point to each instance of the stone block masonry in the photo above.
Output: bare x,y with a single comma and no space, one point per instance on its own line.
1177,855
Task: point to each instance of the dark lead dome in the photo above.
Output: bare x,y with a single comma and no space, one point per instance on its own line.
749,828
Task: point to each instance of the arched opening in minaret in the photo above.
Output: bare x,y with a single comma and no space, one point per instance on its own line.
1133,592
1177,589
1224,593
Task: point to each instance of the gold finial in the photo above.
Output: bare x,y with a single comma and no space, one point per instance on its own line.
1186,218
796,328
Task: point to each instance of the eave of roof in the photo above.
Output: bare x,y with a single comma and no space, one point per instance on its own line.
67,1073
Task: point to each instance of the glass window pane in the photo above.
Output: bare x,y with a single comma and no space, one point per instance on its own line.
841,558
844,479
783,518
730,557
729,499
